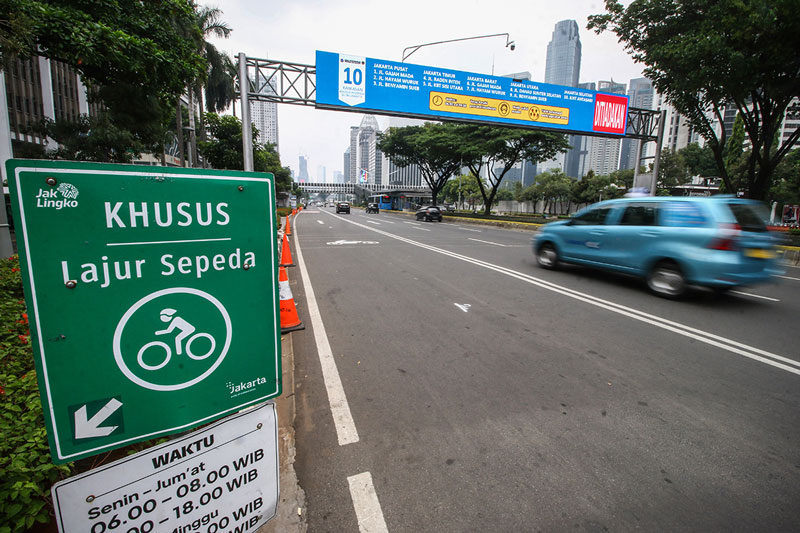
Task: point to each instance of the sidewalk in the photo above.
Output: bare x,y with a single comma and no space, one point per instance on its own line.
291,507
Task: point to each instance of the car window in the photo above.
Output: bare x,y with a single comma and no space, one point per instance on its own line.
748,217
683,215
639,215
593,217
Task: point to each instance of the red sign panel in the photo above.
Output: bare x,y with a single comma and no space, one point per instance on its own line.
610,113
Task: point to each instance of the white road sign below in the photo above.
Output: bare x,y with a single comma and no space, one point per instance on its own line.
221,478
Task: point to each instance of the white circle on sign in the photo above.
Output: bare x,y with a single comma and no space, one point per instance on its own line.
135,307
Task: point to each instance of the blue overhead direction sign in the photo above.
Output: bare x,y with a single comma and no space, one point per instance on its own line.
363,84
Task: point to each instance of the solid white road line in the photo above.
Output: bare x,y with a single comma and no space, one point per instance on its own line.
788,277
340,409
366,504
751,352
756,296
487,242
421,229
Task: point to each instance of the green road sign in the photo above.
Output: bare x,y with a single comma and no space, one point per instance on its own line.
152,294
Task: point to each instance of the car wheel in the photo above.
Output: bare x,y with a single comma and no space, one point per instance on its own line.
547,256
666,279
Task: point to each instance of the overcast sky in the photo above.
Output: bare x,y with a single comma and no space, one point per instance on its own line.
293,30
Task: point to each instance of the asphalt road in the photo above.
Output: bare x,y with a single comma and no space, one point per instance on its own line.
487,394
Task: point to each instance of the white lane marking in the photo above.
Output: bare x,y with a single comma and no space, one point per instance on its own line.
373,222
487,242
463,307
320,222
340,409
788,277
468,229
421,229
366,504
706,337
756,296
412,223
387,221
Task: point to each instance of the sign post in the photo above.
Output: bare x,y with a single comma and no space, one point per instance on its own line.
152,296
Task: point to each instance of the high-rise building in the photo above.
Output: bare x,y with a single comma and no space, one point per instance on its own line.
302,176
338,176
563,67
366,159
346,167
321,177
265,114
640,94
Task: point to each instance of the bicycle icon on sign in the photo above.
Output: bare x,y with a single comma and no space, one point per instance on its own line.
186,331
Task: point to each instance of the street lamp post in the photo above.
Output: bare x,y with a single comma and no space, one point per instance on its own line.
411,49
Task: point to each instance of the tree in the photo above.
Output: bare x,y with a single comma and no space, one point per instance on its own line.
672,171
432,147
91,139
704,55
502,148
224,149
554,189
699,161
786,186
464,188
137,56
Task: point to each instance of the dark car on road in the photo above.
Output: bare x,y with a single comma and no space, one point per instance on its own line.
372,208
429,213
719,242
343,207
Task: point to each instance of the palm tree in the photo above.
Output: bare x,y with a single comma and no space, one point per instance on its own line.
210,23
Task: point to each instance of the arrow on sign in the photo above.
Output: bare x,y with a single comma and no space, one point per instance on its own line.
86,428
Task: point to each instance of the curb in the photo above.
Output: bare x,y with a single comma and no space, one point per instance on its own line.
291,506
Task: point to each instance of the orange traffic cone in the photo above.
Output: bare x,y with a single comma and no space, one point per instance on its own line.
294,212
289,319
288,227
286,253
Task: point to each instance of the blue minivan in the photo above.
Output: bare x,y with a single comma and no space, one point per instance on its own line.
672,242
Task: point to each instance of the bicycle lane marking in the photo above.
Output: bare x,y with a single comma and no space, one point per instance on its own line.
343,420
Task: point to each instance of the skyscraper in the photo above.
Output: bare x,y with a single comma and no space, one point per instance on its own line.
563,67
365,157
265,114
302,176
640,94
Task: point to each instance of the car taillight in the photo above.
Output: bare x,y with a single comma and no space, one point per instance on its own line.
728,238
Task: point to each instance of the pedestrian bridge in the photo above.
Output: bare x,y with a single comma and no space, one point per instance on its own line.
356,188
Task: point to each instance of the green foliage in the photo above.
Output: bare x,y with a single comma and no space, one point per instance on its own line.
554,188
91,139
25,461
500,149
705,55
433,147
224,149
464,188
786,186
699,161
593,188
672,170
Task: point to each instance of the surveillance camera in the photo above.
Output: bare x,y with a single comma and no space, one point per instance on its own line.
512,45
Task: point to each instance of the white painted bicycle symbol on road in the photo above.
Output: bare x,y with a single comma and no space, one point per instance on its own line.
185,330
